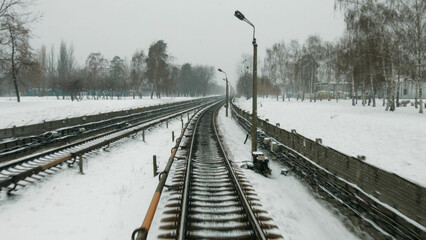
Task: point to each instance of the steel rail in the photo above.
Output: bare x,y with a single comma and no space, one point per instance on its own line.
182,230
79,142
141,233
257,229
72,133
253,219
39,128
15,178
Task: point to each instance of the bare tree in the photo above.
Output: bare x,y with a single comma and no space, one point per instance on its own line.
389,38
294,53
42,60
16,51
245,79
276,67
96,70
65,67
8,6
327,66
137,71
410,27
51,71
313,53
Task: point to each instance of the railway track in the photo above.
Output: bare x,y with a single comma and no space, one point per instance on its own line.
25,145
17,173
210,198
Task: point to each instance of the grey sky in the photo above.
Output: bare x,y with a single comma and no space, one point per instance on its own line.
196,31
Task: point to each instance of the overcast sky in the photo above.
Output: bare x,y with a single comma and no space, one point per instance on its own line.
196,31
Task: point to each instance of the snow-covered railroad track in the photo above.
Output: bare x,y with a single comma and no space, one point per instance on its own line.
25,145
210,198
17,173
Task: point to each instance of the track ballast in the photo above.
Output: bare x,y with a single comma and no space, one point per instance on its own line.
210,198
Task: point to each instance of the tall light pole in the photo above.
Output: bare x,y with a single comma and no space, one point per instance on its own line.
227,90
240,16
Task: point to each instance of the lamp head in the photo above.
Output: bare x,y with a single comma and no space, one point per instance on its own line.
239,15
220,70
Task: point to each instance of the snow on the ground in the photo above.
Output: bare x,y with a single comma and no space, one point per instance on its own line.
108,202
111,199
296,212
32,110
394,141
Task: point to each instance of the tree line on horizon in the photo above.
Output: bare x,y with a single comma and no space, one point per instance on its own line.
383,47
149,74
45,72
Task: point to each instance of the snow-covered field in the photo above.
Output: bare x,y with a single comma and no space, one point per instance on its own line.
394,141
33,110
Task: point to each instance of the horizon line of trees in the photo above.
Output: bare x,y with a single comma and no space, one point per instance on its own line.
150,74
45,72
383,46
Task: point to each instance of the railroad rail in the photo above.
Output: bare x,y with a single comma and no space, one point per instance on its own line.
71,131
365,212
19,172
209,197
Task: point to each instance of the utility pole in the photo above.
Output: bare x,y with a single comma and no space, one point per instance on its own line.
254,114
240,16
227,90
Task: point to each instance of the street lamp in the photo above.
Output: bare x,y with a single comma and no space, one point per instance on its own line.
241,16
227,89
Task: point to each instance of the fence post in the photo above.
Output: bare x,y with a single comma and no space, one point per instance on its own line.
14,131
143,135
80,163
154,164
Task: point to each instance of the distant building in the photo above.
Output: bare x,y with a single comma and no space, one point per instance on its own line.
407,90
341,89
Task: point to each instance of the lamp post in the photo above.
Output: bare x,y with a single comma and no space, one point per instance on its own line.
240,16
227,90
